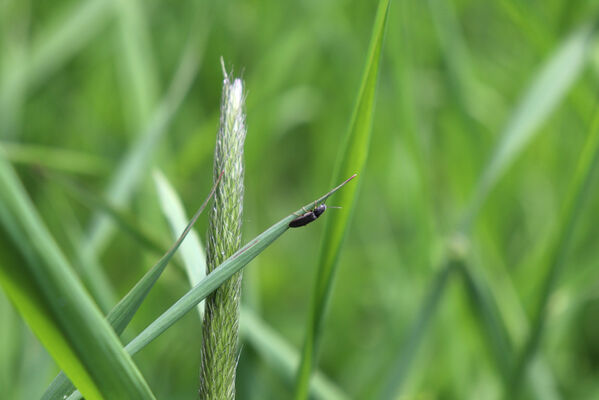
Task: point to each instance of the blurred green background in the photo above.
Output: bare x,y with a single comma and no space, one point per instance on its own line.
91,79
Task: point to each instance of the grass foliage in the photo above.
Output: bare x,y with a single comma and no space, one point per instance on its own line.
463,263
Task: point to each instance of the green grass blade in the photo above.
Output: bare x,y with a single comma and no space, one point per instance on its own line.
557,251
547,90
215,279
271,347
120,316
192,251
492,324
223,272
56,306
352,158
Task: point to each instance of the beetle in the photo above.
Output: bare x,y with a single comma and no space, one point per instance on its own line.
316,211
309,215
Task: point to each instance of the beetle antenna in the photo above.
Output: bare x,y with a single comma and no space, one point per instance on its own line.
333,207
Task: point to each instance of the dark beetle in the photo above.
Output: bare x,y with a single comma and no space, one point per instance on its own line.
316,211
309,216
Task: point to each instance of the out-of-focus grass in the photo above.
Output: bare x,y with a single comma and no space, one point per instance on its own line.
352,157
86,79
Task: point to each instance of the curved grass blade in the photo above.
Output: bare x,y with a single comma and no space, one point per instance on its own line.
56,306
192,252
120,316
272,348
352,158
490,317
223,272
557,250
546,91
216,278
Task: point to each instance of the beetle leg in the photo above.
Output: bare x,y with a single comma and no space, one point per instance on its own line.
305,211
300,215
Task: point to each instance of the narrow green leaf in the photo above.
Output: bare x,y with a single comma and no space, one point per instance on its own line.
273,349
488,313
547,90
556,254
352,158
120,316
216,278
56,306
223,272
192,251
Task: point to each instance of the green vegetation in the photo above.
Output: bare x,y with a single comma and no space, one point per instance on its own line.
463,264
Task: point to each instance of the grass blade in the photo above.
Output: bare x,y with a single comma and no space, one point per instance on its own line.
216,278
192,252
557,251
352,158
273,349
56,306
120,316
489,315
223,272
550,86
